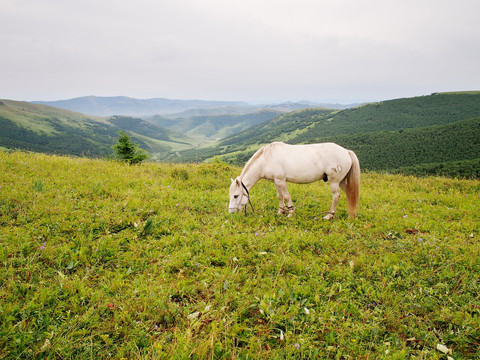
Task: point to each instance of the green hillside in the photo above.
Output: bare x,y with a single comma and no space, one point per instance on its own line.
386,136
307,126
407,147
42,128
280,128
417,112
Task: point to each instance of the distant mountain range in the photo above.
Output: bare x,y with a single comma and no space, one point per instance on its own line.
126,106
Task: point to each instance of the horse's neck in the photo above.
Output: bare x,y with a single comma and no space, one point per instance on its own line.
252,172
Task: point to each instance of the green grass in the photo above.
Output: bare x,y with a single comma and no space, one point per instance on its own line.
100,259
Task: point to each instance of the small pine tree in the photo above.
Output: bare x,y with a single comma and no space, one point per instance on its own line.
127,150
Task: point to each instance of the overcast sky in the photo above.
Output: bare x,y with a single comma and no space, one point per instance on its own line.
252,50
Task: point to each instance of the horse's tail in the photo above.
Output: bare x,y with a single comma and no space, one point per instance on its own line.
352,185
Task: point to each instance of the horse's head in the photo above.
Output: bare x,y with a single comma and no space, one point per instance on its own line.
238,196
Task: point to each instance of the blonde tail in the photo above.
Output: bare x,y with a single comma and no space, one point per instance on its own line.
352,185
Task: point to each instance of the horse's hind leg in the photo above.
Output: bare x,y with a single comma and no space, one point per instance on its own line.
335,187
283,196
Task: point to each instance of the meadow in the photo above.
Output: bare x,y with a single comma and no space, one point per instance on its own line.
99,259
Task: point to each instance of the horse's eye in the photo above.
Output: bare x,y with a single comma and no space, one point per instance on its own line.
235,196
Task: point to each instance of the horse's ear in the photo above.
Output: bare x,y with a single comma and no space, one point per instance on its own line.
237,181
232,180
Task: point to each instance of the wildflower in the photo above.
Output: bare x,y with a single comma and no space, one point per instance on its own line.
194,315
404,216
42,247
306,311
256,234
45,345
281,335
443,349
420,239
297,345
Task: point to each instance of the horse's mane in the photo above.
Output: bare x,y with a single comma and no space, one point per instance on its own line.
252,160
260,152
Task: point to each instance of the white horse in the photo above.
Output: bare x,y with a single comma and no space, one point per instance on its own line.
300,164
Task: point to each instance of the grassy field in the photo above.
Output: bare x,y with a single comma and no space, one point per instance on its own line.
99,259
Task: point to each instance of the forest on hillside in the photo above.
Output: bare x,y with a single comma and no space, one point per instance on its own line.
70,140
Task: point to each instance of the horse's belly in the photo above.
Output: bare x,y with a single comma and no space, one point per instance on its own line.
304,179
303,174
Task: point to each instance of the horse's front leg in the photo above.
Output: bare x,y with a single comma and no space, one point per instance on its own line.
335,188
284,197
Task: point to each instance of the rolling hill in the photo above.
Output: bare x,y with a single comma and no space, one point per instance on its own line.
387,135
42,128
214,126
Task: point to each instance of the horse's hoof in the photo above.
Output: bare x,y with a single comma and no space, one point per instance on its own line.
328,217
292,214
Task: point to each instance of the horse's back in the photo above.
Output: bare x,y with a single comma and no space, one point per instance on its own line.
327,153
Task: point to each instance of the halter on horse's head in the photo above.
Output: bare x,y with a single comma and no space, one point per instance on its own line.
239,196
